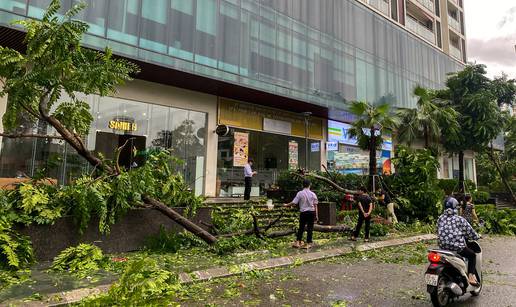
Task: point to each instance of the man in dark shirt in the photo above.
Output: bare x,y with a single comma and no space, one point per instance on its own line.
365,207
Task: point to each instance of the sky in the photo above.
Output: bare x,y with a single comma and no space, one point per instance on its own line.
491,34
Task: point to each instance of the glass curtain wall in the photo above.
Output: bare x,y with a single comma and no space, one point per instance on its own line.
116,121
320,51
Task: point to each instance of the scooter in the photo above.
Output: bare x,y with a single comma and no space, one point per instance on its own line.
447,275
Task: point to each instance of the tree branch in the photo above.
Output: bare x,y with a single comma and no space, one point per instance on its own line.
30,135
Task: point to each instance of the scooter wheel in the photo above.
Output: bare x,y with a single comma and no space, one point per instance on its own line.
439,294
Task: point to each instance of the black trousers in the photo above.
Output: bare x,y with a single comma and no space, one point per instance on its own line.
307,219
361,219
247,190
472,259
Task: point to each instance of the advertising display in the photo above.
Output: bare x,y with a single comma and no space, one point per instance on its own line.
240,149
293,155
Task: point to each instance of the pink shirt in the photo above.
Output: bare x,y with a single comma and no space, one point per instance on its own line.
306,200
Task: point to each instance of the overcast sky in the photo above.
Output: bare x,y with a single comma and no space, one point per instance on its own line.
491,34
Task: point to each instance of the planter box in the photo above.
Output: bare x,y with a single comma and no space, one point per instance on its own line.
127,234
327,213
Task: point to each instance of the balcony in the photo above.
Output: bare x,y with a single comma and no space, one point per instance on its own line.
454,23
415,26
429,4
455,52
380,5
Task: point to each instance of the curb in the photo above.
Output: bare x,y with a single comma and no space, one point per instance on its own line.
227,271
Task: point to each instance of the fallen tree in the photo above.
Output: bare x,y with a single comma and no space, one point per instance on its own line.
55,65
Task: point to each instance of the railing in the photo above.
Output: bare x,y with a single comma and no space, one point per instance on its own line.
380,5
416,27
456,2
429,4
455,52
454,23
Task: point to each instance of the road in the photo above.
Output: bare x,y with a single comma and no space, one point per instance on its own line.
364,282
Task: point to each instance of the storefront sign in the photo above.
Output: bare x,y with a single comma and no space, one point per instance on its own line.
293,155
256,117
122,125
332,146
315,147
240,149
222,130
278,126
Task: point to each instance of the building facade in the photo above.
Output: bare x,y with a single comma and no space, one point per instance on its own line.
278,73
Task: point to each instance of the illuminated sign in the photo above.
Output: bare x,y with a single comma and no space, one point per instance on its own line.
122,125
339,133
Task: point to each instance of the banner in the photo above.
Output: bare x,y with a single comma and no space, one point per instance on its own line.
240,149
293,155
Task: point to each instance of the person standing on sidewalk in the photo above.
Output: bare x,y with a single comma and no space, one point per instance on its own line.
365,207
248,178
307,201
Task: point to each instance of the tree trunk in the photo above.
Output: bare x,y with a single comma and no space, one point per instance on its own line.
495,161
372,161
462,187
334,228
181,220
427,138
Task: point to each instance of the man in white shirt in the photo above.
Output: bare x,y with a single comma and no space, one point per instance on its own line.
248,178
307,201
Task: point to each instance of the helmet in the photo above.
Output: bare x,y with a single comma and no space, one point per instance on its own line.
451,203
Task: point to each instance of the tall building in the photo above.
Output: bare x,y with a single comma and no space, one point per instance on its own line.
279,74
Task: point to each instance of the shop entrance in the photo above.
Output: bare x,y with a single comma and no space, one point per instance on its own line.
107,142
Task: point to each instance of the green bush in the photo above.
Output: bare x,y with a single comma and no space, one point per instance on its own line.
246,242
379,230
171,241
79,260
414,184
496,221
480,197
452,185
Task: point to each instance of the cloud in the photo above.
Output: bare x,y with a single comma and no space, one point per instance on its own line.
508,18
498,50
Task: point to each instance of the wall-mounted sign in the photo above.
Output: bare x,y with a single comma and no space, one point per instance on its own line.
332,146
240,149
222,130
293,155
122,125
278,126
338,132
315,147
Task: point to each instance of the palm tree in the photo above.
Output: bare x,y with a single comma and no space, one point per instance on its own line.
371,123
430,120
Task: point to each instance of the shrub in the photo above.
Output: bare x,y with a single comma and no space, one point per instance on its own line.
452,185
229,245
15,250
171,241
480,197
379,230
496,221
79,260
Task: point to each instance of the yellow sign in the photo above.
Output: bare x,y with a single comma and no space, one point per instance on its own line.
124,126
250,116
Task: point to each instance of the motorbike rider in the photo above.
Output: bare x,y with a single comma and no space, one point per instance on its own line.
453,232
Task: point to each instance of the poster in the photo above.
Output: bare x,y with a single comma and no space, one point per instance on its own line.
293,155
240,149
315,147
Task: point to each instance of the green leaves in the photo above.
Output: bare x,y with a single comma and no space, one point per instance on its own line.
80,260
75,116
15,250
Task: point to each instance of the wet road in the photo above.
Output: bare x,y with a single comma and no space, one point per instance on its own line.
369,282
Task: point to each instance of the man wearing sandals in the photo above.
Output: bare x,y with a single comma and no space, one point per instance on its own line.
307,201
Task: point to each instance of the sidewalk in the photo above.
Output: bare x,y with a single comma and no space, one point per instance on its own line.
235,269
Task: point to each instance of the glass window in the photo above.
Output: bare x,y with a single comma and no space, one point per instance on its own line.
37,7
181,23
123,21
206,34
153,33
15,6
94,14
